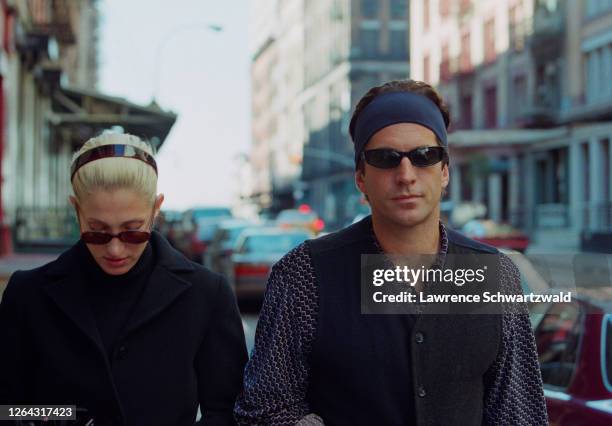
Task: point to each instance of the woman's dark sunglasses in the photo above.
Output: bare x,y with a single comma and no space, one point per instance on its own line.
386,158
130,237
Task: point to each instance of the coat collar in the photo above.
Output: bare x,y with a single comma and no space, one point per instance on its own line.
166,255
66,287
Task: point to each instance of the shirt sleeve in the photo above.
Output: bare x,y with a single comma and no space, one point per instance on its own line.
276,376
514,393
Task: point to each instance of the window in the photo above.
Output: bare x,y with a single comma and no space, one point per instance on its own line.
368,41
465,59
399,9
490,100
519,95
557,335
489,40
516,28
560,161
596,7
445,72
466,184
586,177
369,8
598,63
466,112
593,73
464,6
444,8
398,43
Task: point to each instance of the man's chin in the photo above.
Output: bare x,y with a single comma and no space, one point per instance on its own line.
406,219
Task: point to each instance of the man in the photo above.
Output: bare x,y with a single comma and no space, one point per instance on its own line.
317,358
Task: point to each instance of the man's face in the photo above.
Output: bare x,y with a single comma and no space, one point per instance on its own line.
405,195
113,212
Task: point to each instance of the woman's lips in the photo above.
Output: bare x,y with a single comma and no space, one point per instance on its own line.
116,262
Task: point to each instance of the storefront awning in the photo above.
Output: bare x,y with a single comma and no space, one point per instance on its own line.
81,113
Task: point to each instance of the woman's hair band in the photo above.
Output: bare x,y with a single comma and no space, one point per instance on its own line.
106,151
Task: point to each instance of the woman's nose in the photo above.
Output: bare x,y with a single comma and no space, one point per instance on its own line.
115,247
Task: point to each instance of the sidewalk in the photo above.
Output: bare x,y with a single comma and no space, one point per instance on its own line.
17,261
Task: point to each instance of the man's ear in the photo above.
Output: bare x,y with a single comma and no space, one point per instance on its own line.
360,182
73,201
445,176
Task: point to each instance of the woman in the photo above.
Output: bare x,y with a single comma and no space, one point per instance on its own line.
121,325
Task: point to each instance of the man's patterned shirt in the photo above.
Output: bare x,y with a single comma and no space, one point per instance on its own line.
276,376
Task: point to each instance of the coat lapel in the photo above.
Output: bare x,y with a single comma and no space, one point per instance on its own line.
161,290
66,289
164,286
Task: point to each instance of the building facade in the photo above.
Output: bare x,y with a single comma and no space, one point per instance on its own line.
329,53
50,107
526,84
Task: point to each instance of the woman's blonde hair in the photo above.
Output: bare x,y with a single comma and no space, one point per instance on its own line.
115,172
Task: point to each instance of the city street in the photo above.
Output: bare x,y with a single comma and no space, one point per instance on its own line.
249,322
258,125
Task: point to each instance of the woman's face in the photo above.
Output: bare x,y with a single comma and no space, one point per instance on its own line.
113,212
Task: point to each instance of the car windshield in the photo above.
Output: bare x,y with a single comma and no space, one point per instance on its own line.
231,235
558,335
272,243
211,213
295,216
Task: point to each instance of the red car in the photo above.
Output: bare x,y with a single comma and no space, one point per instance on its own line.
255,251
574,343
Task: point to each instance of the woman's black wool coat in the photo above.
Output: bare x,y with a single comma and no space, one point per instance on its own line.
182,346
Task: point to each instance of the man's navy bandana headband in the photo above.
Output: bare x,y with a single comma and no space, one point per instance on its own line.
397,107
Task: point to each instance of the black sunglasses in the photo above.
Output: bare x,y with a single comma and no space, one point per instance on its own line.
130,237
387,158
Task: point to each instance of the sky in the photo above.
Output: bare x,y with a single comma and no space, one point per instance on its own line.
163,50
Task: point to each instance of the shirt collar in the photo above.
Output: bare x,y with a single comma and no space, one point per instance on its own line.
442,248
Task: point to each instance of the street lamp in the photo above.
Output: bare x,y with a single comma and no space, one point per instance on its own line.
171,35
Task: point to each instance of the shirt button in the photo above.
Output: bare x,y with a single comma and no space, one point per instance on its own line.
421,392
419,338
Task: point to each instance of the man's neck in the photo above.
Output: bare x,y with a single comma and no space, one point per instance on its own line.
423,238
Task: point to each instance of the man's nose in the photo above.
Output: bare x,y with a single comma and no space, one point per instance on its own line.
406,172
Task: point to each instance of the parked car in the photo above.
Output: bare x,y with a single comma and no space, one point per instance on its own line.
218,255
200,224
256,250
303,217
500,235
574,343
